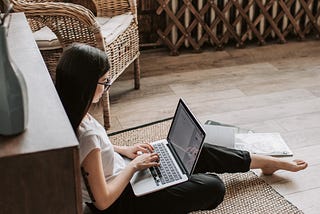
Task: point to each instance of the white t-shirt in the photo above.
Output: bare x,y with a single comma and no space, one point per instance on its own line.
92,135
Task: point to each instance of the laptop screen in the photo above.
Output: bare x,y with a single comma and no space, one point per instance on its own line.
186,136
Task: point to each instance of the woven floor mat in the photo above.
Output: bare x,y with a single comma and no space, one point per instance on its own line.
245,192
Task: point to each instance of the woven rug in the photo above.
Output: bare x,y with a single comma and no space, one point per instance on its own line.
245,192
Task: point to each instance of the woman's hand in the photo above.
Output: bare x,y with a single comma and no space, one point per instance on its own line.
144,161
133,151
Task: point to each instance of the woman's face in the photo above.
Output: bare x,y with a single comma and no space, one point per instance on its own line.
100,88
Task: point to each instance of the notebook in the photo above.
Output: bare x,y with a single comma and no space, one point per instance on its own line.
178,154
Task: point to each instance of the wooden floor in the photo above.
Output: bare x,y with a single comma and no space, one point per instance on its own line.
274,88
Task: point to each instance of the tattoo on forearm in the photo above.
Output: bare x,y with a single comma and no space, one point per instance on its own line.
85,179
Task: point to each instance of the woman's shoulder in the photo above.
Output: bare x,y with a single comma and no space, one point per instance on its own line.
89,126
89,139
89,130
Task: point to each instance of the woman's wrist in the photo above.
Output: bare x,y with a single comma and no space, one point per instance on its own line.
120,149
132,167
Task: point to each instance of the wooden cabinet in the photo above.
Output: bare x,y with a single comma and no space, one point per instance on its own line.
39,169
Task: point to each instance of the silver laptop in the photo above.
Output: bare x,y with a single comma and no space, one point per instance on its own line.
178,154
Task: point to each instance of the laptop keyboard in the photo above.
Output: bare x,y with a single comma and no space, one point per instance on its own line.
167,171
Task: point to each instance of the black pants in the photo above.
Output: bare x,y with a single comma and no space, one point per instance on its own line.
203,191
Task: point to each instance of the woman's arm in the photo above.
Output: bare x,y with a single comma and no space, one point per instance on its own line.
104,194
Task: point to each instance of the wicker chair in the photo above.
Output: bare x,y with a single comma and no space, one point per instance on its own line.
73,22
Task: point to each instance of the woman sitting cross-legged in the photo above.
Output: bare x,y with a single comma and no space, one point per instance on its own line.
81,79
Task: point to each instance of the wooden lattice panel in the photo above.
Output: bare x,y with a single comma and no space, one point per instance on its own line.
194,23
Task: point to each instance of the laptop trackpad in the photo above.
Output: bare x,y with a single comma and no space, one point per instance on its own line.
140,176
141,184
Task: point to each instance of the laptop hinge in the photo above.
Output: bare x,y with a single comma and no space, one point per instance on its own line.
174,153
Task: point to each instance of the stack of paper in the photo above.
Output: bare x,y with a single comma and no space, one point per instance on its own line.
235,137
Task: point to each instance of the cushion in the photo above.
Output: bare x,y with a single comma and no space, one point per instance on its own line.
111,28
46,39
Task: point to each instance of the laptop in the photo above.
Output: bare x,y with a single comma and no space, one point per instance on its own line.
178,154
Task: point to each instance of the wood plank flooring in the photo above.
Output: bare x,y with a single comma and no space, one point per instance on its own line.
274,88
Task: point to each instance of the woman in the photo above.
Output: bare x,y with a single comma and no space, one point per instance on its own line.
80,80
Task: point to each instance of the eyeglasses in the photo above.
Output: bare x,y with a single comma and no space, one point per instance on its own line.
106,84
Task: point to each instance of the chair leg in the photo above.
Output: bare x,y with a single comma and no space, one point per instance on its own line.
106,110
96,110
136,73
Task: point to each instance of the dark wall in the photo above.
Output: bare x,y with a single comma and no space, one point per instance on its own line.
3,4
149,21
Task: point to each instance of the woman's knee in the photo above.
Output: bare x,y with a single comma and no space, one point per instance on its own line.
212,191
216,189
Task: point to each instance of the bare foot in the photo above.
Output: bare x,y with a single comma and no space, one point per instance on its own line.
276,164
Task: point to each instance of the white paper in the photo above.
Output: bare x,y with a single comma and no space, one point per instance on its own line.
262,143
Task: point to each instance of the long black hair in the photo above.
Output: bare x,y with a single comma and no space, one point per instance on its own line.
78,71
